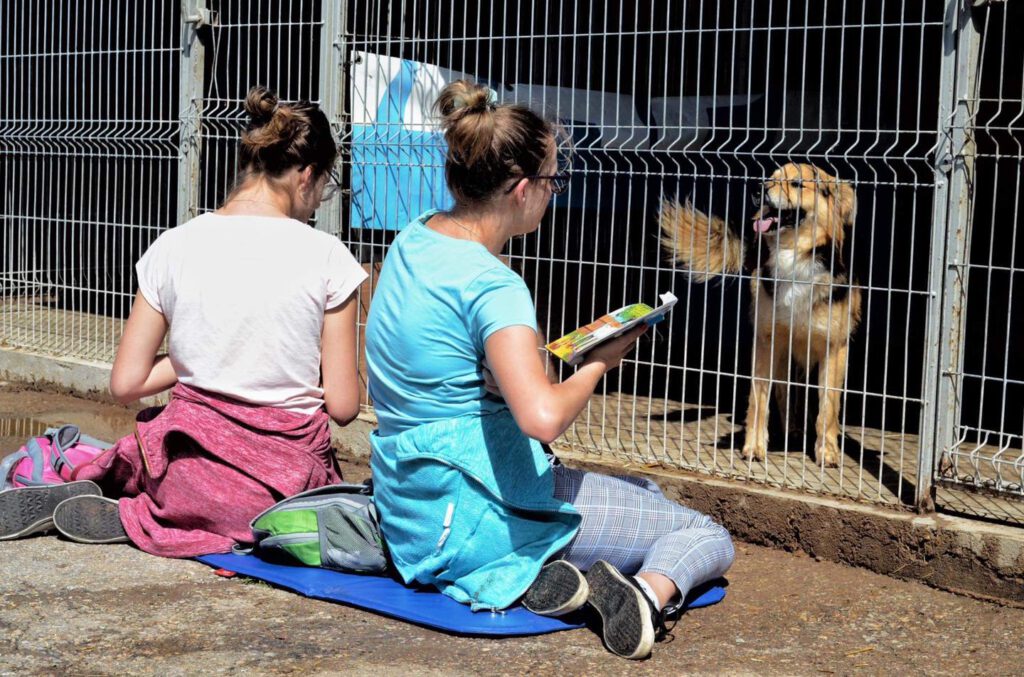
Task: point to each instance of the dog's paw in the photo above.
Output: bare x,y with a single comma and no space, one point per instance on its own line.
827,452
752,451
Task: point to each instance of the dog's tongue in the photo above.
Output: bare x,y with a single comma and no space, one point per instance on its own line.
762,225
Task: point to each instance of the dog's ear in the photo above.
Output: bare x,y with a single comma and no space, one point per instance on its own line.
845,200
842,196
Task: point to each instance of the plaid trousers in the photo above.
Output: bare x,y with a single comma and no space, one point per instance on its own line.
629,523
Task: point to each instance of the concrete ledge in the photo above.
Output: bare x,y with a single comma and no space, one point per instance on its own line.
65,375
959,555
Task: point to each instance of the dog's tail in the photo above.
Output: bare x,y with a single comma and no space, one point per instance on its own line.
703,245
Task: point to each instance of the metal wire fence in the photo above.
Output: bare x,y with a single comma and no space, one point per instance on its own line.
916,105
88,156
983,366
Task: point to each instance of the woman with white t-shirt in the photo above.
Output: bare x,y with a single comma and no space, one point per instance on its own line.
259,315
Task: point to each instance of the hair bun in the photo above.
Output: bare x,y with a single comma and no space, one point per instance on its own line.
260,104
462,97
474,101
273,125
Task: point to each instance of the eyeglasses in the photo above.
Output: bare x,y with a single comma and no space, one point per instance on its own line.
559,182
332,188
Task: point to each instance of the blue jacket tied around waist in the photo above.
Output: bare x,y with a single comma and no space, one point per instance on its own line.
467,506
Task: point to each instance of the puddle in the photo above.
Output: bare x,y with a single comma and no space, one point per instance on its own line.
14,430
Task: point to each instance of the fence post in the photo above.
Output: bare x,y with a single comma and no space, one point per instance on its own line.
194,15
332,89
950,243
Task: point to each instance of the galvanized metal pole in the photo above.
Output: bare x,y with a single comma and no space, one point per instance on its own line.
950,243
194,15
332,89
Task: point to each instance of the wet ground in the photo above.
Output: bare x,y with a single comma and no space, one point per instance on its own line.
68,608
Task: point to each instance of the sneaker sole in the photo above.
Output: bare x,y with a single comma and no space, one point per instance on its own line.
625,617
559,589
28,510
89,522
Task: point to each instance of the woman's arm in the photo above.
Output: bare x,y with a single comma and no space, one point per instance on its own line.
543,409
338,363
138,371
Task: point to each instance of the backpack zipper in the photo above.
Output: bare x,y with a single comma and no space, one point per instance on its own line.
288,539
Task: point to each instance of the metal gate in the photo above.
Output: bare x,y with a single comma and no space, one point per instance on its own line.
980,373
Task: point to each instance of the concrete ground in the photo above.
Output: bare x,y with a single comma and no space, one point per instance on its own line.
68,608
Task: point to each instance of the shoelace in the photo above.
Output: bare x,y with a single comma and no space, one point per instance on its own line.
661,630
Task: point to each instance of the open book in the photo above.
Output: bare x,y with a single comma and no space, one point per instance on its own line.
571,347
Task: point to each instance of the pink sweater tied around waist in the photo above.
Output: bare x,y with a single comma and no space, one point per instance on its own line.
197,471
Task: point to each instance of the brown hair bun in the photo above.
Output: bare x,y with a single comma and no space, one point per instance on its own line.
283,135
272,125
488,144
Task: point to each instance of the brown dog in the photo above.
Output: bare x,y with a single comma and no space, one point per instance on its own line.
805,308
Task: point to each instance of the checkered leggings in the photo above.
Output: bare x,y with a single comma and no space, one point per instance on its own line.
630,524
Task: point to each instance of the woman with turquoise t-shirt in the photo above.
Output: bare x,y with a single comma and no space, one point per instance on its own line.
469,501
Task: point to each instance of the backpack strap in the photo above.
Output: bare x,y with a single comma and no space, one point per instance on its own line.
7,467
30,450
38,464
62,439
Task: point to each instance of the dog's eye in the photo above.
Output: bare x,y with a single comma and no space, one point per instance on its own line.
796,183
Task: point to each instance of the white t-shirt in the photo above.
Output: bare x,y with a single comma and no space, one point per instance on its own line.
245,298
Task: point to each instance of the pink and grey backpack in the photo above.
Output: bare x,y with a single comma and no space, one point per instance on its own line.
49,458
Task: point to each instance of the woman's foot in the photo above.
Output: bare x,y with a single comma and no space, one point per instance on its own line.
29,510
628,617
559,589
90,519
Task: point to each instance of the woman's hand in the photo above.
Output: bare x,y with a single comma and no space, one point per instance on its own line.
490,383
610,353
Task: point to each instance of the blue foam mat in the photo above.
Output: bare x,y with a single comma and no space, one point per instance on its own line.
427,607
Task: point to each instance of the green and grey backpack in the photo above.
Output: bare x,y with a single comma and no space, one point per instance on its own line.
334,527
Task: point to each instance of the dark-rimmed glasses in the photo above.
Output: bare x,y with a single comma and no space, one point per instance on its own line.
559,182
332,188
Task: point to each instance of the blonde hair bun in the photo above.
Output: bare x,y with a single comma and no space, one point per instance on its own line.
462,97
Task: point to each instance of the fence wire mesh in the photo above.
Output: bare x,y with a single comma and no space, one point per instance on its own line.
275,44
665,100
985,450
671,100
88,156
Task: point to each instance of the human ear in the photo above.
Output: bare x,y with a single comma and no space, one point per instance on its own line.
307,179
519,192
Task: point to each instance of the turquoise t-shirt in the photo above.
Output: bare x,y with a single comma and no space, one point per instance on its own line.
437,301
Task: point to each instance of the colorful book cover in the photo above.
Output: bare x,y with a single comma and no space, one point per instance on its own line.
571,347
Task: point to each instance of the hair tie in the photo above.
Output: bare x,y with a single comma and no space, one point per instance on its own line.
492,99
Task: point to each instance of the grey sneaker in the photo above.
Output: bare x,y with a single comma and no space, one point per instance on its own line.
29,510
559,589
90,519
629,620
